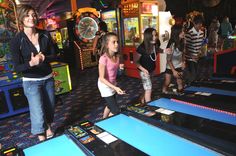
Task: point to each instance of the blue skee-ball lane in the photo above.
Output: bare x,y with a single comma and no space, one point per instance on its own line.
222,84
196,110
59,146
211,90
150,139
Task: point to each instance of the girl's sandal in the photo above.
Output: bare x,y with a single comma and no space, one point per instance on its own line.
49,134
41,138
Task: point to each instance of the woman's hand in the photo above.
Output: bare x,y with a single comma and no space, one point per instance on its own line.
41,56
122,66
37,59
119,91
167,51
146,72
177,74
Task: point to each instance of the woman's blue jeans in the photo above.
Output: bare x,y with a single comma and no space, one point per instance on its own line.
41,99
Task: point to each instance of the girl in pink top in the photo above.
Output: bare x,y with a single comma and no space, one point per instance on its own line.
109,63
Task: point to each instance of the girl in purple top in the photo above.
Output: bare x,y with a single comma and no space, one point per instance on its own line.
109,63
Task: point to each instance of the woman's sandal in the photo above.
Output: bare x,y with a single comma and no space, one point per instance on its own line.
49,134
41,138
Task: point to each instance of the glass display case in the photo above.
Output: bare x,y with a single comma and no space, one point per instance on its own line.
148,22
110,18
131,31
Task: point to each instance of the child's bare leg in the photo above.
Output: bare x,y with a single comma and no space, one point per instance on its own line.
106,112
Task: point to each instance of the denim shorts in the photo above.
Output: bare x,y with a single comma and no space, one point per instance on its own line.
169,71
146,80
41,99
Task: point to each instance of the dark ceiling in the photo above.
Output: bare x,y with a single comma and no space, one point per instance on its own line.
47,8
179,8
54,7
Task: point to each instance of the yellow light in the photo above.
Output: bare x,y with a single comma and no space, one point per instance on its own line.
68,77
172,21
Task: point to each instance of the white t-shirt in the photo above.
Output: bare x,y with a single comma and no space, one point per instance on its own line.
176,58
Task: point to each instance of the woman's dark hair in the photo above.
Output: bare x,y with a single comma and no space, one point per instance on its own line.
174,37
103,26
22,12
147,39
105,39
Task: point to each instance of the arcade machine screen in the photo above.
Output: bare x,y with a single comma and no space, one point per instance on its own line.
148,22
149,16
64,35
57,37
110,18
131,29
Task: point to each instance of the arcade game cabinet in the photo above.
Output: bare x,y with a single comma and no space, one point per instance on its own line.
61,74
61,71
113,21
12,98
110,17
137,16
85,29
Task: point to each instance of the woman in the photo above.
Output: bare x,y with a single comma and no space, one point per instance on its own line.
32,49
175,61
146,61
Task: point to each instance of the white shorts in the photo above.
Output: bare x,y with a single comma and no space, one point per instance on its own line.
105,90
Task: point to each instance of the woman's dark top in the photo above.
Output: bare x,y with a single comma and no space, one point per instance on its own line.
145,60
21,48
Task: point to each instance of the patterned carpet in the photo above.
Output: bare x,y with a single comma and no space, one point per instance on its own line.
82,103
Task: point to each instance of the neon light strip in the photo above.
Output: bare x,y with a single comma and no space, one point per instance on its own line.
204,107
10,150
68,77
